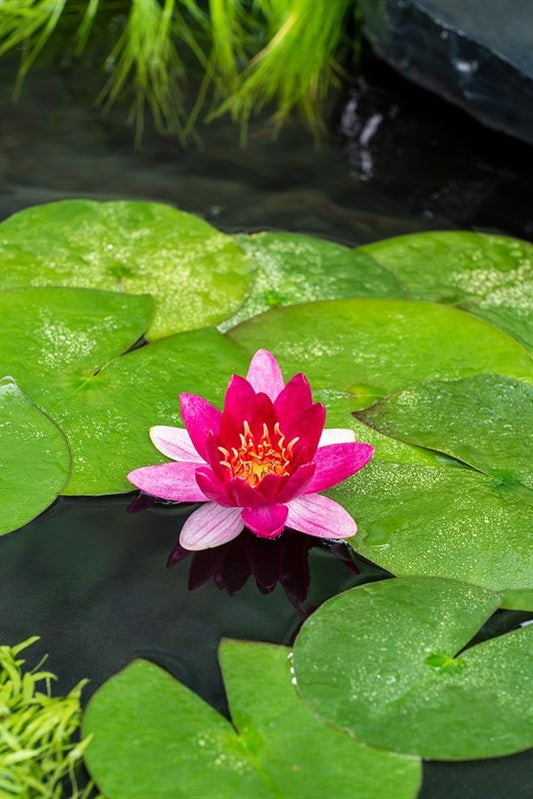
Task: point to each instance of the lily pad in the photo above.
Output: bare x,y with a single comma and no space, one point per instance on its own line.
485,421
61,345
385,661
492,276
370,347
448,522
131,394
153,737
197,274
291,268
339,413
34,459
53,339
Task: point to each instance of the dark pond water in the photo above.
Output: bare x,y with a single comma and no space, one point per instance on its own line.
91,578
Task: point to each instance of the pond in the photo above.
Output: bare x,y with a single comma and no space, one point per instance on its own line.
90,575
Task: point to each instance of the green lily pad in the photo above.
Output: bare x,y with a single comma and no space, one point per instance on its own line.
492,276
64,347
339,413
447,522
53,339
133,393
153,737
291,268
371,347
198,275
385,661
485,421
34,459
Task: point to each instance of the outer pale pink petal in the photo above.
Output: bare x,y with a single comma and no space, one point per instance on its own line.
320,516
264,374
175,443
267,521
336,462
175,481
336,435
199,416
210,526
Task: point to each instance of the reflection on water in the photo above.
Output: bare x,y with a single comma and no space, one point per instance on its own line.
283,561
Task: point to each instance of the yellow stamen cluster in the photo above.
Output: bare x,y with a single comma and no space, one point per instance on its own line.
253,460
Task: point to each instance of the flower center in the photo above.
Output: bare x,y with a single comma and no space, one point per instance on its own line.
254,459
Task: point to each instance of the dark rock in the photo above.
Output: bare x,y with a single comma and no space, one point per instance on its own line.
476,53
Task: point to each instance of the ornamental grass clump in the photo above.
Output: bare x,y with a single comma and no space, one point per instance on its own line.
227,55
39,749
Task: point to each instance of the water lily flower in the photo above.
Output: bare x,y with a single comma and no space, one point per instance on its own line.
260,463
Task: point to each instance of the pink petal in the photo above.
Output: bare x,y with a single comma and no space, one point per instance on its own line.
336,462
336,435
308,428
242,494
199,416
264,374
175,481
238,404
270,487
212,486
297,482
214,456
210,526
267,521
293,400
320,516
175,443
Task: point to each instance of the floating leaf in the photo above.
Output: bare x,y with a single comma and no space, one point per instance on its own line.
198,275
339,413
385,661
34,459
485,421
61,346
448,522
291,268
153,737
53,339
490,275
133,393
371,347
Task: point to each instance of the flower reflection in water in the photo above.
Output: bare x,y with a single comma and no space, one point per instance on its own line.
283,561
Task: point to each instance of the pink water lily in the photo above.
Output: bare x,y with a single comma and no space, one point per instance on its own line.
260,463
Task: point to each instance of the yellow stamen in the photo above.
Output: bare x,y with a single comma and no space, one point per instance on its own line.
254,460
